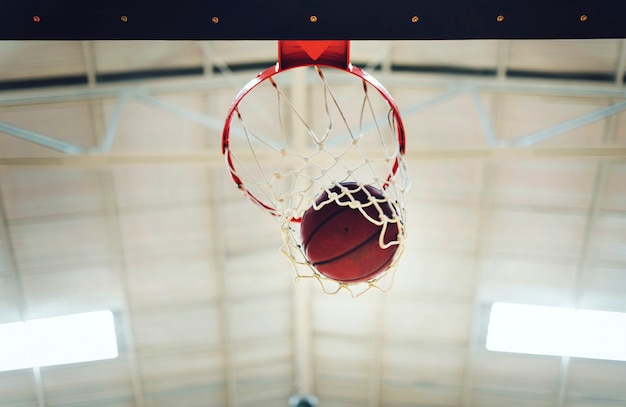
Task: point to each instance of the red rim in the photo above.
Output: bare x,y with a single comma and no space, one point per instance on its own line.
276,69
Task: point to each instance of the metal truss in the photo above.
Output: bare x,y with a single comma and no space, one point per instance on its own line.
148,95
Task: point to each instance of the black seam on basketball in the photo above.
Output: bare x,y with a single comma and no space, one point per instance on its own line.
328,217
363,243
376,271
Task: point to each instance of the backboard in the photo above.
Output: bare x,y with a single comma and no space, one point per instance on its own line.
313,19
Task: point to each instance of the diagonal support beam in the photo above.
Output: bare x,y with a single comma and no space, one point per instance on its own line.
382,58
40,139
109,135
485,121
442,97
566,126
182,112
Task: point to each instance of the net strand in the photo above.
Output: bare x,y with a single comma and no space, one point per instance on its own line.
250,177
286,99
371,108
327,90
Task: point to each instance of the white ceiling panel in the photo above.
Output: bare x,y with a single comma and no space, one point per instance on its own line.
417,317
169,371
535,233
57,290
608,237
436,366
5,268
567,185
432,224
164,328
446,180
142,130
434,127
163,279
165,230
108,385
258,273
238,52
40,192
124,56
428,274
591,378
592,56
510,373
144,186
10,300
62,241
604,287
268,319
22,60
614,196
18,388
528,280
469,54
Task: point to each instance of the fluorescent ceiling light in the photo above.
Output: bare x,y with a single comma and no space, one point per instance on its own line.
541,330
58,340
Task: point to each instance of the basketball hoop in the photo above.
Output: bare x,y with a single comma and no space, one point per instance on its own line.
349,158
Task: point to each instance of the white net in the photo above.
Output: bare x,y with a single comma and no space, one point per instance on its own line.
287,151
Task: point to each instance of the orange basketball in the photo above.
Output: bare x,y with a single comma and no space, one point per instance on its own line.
341,243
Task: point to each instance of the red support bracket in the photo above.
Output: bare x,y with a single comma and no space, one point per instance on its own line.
334,53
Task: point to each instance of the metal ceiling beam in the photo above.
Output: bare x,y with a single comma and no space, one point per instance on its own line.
512,153
595,206
119,262
218,252
238,79
548,87
215,158
485,205
9,252
109,135
581,268
90,62
485,120
22,305
41,395
213,123
114,230
112,91
502,58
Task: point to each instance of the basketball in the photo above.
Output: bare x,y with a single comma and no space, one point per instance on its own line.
341,243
